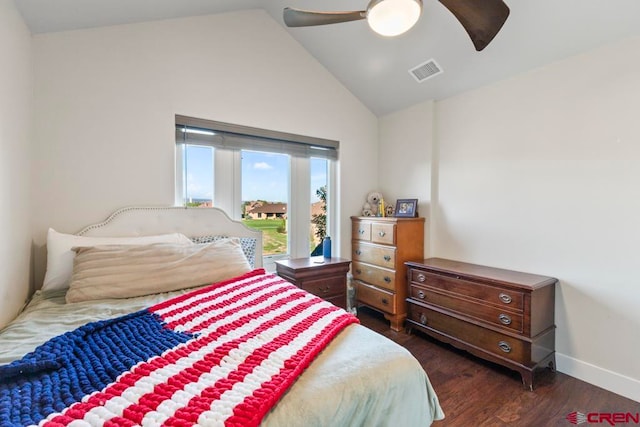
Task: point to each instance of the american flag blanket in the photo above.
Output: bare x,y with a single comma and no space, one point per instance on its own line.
222,355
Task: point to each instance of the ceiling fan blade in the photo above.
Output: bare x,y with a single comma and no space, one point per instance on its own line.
306,18
481,19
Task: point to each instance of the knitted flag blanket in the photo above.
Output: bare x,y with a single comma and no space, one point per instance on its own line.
222,355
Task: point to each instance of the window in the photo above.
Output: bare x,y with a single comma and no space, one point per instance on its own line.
265,198
280,183
319,193
198,175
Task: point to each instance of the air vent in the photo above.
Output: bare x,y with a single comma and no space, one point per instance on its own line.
426,70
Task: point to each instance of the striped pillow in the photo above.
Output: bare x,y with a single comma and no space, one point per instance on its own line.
124,271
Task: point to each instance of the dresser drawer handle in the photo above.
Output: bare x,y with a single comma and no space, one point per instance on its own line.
387,258
361,231
504,319
385,301
358,252
325,290
504,346
381,233
387,279
505,298
358,271
421,294
423,319
421,277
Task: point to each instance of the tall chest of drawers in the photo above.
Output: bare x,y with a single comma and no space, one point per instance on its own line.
503,316
380,248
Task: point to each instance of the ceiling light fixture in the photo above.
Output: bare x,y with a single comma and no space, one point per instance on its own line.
393,17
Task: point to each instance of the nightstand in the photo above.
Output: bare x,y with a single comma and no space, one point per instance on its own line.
324,277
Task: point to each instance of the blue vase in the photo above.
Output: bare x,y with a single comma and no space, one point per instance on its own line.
326,247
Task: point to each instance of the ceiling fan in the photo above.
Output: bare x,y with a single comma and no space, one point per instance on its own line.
481,19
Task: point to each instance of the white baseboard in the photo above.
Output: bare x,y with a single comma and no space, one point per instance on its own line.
603,378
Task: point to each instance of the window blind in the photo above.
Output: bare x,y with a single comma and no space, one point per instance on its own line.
195,131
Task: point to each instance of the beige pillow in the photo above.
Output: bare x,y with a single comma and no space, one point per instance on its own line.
124,271
60,256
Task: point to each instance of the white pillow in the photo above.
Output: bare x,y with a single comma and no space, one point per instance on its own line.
125,271
60,256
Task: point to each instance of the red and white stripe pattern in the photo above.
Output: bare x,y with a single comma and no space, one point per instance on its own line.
254,335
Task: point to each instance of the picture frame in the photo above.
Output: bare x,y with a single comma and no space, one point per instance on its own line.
406,208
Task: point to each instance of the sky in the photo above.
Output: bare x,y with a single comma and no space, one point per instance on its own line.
265,176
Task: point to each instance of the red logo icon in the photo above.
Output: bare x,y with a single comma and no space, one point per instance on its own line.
577,417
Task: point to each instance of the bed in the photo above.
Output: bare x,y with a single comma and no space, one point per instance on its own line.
359,379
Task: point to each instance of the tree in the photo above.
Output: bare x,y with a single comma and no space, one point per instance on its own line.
320,220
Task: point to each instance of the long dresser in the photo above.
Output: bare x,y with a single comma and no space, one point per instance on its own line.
503,316
380,247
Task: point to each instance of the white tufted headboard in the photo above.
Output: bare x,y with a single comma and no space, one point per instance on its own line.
192,222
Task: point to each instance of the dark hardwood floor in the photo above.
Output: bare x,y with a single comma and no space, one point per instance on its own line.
473,392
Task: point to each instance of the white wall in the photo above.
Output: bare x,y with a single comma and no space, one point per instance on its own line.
106,100
15,122
540,173
406,143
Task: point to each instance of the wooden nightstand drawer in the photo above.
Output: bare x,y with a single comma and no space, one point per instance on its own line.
326,287
498,296
378,276
377,298
384,256
492,315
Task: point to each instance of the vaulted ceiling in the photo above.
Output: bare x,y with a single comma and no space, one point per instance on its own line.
374,68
